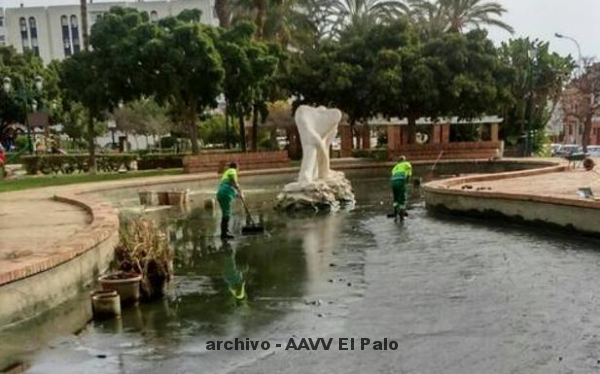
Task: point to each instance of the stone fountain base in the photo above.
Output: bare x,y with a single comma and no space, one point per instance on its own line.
319,196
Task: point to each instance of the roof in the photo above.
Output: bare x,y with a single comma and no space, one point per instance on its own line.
491,120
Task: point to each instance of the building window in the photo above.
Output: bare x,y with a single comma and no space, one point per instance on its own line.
98,17
153,16
24,33
34,36
75,34
66,37
1,21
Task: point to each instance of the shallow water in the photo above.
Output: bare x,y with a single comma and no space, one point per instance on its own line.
459,296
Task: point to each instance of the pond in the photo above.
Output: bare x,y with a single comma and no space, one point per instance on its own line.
458,295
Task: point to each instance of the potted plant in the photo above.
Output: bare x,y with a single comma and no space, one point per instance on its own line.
144,250
125,283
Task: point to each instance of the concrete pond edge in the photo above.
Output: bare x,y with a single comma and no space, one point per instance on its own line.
30,291
569,214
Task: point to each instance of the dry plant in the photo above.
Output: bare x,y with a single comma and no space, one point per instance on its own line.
144,249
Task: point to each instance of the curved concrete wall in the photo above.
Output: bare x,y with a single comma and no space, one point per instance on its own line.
580,215
39,287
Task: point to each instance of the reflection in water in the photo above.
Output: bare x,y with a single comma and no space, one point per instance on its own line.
232,276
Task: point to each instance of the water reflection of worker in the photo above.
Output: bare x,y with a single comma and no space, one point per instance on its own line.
401,175
234,278
229,189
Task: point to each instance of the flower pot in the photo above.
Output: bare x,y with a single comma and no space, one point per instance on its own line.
163,198
146,197
127,286
178,198
106,304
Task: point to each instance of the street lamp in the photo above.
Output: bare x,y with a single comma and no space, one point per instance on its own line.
561,36
26,95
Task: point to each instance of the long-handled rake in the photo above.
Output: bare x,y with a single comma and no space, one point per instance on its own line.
253,228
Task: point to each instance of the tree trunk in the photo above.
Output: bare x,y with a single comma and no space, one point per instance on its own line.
259,19
193,129
242,132
412,129
91,144
84,25
227,140
587,130
223,11
255,128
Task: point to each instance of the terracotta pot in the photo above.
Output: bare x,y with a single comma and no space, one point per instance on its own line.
127,286
163,198
146,197
106,304
178,198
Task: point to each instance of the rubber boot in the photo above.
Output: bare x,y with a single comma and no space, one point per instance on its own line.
225,228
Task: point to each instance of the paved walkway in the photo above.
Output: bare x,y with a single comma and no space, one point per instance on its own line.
563,185
31,223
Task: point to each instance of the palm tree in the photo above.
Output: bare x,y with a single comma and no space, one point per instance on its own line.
428,17
360,14
436,17
462,14
223,10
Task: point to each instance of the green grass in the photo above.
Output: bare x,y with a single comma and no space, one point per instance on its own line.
30,182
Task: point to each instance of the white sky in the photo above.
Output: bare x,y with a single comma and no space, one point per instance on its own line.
534,18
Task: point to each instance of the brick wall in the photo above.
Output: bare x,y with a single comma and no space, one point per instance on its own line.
216,162
451,151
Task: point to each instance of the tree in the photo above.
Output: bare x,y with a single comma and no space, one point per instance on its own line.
250,67
537,78
183,68
22,70
142,117
440,16
581,99
81,79
362,14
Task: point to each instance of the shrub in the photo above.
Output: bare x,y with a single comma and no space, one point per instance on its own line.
67,164
161,161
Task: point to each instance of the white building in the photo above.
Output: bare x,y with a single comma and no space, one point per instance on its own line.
2,29
54,32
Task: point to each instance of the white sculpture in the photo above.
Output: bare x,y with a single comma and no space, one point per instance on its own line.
318,187
317,128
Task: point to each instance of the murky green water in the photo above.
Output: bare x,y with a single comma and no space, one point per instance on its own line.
352,272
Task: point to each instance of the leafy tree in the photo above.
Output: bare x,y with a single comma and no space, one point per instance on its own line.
537,78
81,79
250,67
143,117
22,70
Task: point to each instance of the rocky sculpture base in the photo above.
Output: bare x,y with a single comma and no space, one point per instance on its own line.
326,195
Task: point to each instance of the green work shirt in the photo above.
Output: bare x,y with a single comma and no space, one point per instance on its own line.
230,176
402,170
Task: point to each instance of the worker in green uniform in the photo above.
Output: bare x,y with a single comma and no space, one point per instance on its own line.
229,189
401,175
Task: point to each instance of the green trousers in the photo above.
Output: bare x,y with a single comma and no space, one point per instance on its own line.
225,196
400,192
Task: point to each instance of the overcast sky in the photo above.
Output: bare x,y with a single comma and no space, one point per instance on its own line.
534,18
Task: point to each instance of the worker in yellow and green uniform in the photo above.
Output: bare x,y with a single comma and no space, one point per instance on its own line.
401,175
229,189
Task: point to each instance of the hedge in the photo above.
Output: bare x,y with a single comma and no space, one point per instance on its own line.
68,164
160,161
